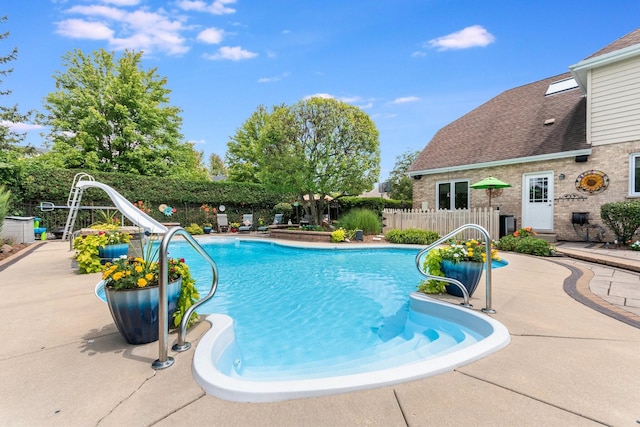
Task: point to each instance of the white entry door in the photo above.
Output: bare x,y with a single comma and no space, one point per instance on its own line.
537,201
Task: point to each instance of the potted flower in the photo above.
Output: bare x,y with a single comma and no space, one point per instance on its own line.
206,227
113,244
93,250
463,261
234,226
131,290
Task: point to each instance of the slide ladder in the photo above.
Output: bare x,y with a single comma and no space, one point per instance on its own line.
73,202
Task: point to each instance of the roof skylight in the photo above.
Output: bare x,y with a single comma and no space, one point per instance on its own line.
561,86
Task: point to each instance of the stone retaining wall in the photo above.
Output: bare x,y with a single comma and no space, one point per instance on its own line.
300,235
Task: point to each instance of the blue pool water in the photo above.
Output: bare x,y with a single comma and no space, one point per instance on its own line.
312,310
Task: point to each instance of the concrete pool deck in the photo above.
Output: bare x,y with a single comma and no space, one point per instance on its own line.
64,363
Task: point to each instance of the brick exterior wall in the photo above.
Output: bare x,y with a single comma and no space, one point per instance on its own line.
612,159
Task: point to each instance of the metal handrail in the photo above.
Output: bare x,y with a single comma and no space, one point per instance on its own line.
465,293
165,361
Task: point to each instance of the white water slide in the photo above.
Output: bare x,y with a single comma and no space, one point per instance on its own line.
135,215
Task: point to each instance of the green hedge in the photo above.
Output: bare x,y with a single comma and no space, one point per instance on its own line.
622,218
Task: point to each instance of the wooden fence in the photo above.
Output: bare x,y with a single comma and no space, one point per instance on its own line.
444,222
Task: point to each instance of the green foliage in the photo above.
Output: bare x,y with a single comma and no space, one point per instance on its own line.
361,219
5,196
316,147
401,185
11,152
411,236
532,246
52,184
87,253
194,229
622,218
432,264
216,166
338,235
109,115
188,295
523,241
507,243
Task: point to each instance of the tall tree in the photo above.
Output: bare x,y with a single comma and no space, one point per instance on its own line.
110,115
401,184
317,147
216,166
243,149
10,151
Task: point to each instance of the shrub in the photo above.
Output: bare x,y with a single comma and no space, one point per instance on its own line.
413,236
533,246
337,235
361,219
622,218
507,243
194,229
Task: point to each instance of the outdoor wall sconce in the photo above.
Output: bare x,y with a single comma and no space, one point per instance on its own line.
561,176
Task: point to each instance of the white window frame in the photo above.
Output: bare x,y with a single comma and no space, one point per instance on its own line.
632,174
452,183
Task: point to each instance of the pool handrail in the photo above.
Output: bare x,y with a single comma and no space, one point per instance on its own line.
465,293
164,361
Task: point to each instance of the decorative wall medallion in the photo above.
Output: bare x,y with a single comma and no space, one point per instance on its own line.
592,182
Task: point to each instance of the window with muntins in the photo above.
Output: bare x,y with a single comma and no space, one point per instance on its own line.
452,195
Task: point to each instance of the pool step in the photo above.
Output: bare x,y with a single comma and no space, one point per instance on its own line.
421,344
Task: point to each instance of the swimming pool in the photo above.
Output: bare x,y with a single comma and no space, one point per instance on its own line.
295,322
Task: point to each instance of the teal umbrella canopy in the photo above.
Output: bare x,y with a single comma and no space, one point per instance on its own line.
490,183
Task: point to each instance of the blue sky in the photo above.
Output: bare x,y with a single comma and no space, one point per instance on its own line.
413,65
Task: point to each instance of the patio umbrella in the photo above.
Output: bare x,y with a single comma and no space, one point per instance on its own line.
490,183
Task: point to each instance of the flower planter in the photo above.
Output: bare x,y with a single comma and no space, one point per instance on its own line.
110,252
135,311
466,272
206,230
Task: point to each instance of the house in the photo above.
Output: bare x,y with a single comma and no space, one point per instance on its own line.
566,144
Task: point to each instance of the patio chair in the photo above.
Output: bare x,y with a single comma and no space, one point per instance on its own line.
247,223
277,220
223,223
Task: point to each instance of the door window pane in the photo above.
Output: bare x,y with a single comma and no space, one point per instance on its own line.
462,195
539,190
444,195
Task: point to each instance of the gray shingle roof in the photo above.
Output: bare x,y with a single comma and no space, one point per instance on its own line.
511,126
627,40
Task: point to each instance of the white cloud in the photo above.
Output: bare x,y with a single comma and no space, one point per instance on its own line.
99,11
81,29
122,2
418,54
320,95
405,100
472,36
384,116
217,7
235,53
135,30
211,36
273,79
19,127
350,99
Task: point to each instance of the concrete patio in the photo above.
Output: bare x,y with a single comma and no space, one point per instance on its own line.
64,363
